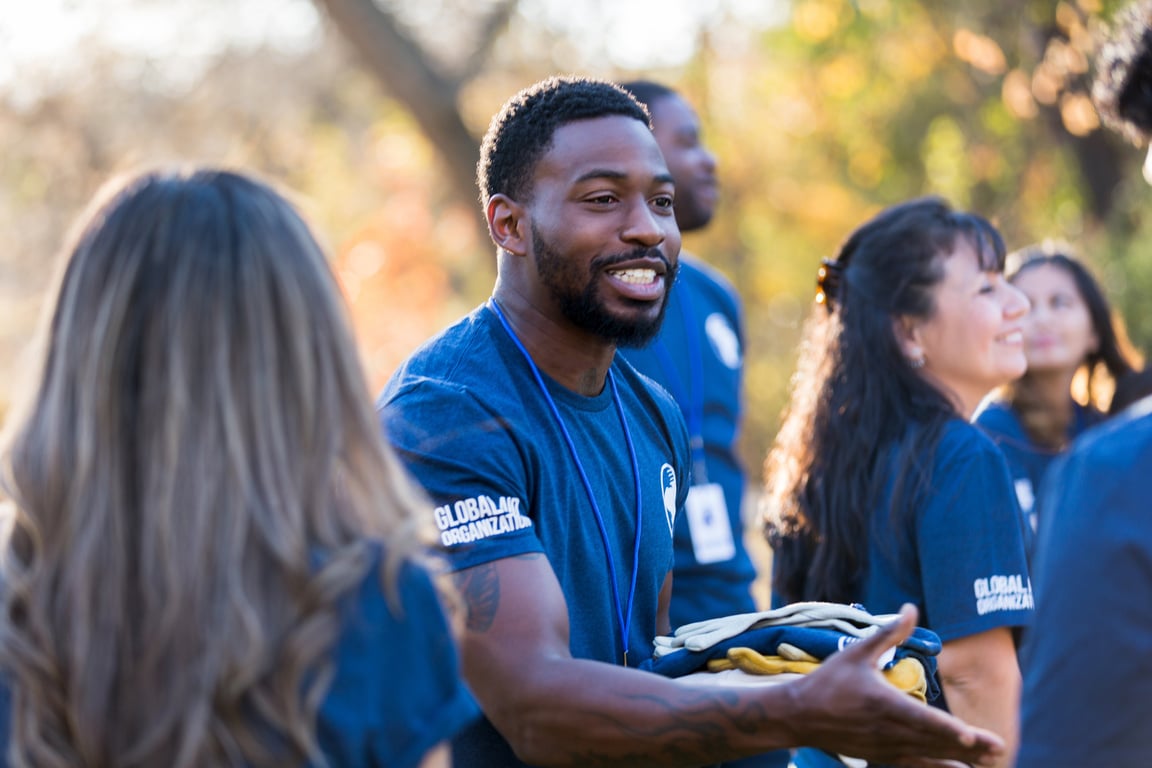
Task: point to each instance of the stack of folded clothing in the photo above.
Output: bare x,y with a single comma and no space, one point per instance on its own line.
792,640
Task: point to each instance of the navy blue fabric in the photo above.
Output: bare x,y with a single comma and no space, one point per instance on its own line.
705,591
1028,461
954,550
815,758
476,432
397,690
820,642
1087,660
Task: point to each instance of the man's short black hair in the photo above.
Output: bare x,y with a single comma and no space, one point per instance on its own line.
1123,87
648,92
522,131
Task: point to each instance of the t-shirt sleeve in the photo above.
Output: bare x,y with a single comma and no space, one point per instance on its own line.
970,543
435,703
471,463
1087,658
398,690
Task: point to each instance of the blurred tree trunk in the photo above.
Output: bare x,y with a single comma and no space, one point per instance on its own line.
409,73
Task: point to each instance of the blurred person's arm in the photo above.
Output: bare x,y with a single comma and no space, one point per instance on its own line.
439,756
981,681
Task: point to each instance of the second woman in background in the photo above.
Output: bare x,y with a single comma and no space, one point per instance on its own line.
880,491
1068,333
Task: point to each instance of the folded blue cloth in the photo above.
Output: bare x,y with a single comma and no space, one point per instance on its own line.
922,645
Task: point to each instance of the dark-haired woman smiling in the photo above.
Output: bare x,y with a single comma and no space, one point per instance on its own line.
880,492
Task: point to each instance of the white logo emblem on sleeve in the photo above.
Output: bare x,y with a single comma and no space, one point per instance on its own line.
725,342
668,493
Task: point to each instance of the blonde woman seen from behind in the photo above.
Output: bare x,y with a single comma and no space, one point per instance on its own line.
213,559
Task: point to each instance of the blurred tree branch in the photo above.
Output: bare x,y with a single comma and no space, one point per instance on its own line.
1053,46
408,72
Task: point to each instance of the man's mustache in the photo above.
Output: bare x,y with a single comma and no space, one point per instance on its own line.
612,259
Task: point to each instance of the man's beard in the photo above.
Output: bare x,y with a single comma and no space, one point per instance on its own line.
584,307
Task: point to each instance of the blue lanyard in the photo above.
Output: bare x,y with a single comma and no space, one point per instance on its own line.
625,620
692,399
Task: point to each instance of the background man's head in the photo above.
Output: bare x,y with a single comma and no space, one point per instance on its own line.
677,129
521,132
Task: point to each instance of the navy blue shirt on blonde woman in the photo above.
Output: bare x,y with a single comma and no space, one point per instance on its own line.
383,648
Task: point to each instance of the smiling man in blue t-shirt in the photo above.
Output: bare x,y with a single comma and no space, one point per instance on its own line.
557,473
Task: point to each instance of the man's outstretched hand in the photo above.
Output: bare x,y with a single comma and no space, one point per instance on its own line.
847,707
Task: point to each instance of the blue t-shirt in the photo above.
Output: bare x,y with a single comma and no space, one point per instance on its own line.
1027,461
698,358
396,690
955,550
1087,659
476,431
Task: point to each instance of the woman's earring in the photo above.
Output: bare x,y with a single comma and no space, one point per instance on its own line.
917,362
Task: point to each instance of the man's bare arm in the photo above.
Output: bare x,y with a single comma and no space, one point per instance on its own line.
556,710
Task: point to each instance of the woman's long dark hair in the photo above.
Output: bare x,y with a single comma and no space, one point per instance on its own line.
1111,360
855,395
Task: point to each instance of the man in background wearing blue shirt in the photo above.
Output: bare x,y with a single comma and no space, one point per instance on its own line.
698,356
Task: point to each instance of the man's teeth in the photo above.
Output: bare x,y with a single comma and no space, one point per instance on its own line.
1013,337
639,276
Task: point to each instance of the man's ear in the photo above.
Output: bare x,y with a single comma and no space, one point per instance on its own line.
907,330
507,224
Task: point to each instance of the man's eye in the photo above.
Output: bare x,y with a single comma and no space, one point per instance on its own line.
664,201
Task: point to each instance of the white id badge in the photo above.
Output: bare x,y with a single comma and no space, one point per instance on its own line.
708,523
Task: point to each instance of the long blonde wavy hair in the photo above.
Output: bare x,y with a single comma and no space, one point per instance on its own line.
196,480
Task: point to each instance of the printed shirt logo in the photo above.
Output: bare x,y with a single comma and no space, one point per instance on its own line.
668,492
725,342
1024,494
1003,593
478,518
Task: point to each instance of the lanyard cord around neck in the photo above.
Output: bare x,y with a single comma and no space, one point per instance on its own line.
692,398
624,619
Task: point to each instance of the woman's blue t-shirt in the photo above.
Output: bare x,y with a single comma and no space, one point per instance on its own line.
1027,461
396,690
954,549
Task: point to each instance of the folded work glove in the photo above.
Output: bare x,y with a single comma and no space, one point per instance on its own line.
755,663
907,674
698,636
